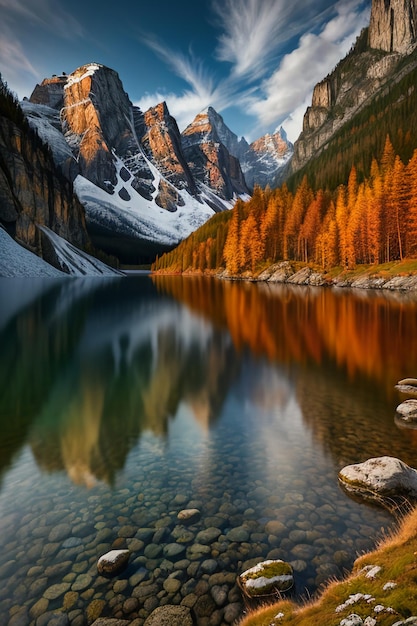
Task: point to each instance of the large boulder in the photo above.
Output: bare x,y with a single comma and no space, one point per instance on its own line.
384,480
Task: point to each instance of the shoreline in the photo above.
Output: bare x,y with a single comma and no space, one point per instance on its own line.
388,277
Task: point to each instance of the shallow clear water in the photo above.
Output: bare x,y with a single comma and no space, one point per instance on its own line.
124,401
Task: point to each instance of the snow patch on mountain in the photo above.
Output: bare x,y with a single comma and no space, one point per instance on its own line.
74,261
129,213
83,72
47,123
16,261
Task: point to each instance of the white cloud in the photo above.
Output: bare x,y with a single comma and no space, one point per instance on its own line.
203,91
190,69
294,122
308,64
16,68
251,29
183,108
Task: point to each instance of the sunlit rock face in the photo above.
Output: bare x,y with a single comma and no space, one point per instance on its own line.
162,141
393,25
92,95
100,120
210,161
50,92
373,61
32,191
265,160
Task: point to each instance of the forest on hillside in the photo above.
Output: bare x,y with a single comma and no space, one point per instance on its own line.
373,221
392,112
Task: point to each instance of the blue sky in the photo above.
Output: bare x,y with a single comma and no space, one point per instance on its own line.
255,61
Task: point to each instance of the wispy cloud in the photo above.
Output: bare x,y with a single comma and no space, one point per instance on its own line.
252,36
15,65
203,89
22,23
191,69
310,62
46,13
250,30
254,31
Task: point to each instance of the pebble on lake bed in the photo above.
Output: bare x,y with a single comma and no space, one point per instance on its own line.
189,516
113,562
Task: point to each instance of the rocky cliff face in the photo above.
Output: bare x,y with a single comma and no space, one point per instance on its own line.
265,160
92,94
50,92
162,142
128,167
372,62
210,161
33,193
393,25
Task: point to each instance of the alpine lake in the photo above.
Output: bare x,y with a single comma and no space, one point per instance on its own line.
126,400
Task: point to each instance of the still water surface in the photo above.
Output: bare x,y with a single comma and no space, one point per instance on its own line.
124,401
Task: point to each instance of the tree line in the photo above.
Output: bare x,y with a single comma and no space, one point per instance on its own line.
373,221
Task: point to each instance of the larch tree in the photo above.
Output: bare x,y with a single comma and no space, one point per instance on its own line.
231,247
412,206
292,239
341,221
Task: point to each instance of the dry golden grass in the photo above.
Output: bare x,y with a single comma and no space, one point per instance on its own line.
395,555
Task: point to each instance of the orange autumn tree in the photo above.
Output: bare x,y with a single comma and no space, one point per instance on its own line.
292,237
411,248
371,220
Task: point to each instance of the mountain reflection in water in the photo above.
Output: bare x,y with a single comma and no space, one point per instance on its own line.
126,400
88,365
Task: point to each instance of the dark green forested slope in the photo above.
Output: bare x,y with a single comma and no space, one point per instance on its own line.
392,112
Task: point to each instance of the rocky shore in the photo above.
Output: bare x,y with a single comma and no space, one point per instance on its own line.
294,274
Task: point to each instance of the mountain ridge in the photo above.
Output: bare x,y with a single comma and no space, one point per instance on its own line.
378,58
140,160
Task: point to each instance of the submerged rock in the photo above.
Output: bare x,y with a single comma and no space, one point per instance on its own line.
384,480
189,516
106,621
266,578
113,562
170,615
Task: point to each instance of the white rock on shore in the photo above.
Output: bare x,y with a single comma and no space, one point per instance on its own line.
381,476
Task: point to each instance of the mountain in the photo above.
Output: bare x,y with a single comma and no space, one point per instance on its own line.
381,57
143,185
263,162
210,159
266,160
351,197
38,208
130,168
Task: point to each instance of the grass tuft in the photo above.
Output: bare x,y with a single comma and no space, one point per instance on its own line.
385,577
